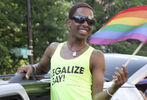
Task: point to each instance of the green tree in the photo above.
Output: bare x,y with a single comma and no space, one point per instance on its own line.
11,33
48,25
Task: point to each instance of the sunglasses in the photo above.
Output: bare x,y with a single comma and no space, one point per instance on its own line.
81,19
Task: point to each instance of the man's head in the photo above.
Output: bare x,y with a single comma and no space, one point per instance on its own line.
78,5
81,20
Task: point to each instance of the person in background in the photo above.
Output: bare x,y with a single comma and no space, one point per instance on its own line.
77,69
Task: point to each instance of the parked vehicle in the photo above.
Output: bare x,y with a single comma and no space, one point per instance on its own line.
38,86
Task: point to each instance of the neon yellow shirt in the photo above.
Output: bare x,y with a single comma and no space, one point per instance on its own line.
71,79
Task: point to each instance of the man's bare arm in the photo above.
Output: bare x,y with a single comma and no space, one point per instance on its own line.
98,68
44,64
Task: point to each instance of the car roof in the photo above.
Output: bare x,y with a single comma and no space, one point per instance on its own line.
113,60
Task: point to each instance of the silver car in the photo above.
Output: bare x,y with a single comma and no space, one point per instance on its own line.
38,86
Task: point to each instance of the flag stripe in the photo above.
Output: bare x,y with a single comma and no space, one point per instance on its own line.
116,34
138,14
142,82
104,41
122,28
139,8
128,21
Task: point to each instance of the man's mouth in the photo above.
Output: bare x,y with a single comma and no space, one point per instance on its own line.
83,30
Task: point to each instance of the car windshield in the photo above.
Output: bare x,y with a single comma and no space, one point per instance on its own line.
116,60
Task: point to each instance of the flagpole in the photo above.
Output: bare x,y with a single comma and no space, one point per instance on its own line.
134,53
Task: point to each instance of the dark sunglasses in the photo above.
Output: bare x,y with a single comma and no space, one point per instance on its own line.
81,19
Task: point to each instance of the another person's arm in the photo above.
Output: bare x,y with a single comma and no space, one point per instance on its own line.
98,68
44,64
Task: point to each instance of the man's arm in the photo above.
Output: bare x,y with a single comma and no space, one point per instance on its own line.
44,64
97,65
97,68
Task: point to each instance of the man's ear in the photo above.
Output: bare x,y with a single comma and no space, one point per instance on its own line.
68,22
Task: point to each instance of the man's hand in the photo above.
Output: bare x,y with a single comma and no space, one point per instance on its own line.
121,76
25,69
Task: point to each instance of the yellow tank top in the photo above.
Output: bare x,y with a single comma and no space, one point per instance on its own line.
71,79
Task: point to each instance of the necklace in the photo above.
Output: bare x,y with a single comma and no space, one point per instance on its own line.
74,52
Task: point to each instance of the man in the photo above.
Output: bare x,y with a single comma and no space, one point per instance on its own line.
77,70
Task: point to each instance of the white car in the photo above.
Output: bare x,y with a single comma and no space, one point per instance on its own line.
38,87
137,70
128,91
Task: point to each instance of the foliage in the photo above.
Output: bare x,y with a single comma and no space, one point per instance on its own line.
11,33
49,24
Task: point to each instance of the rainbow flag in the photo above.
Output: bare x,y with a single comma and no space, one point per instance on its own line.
128,24
144,81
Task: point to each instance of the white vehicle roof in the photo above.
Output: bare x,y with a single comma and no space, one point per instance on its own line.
13,89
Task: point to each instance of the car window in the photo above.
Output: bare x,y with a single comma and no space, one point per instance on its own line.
116,60
12,97
41,97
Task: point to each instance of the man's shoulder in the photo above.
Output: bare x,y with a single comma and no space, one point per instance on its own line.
97,52
55,44
52,47
96,60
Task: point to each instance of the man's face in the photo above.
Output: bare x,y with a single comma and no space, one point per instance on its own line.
80,29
